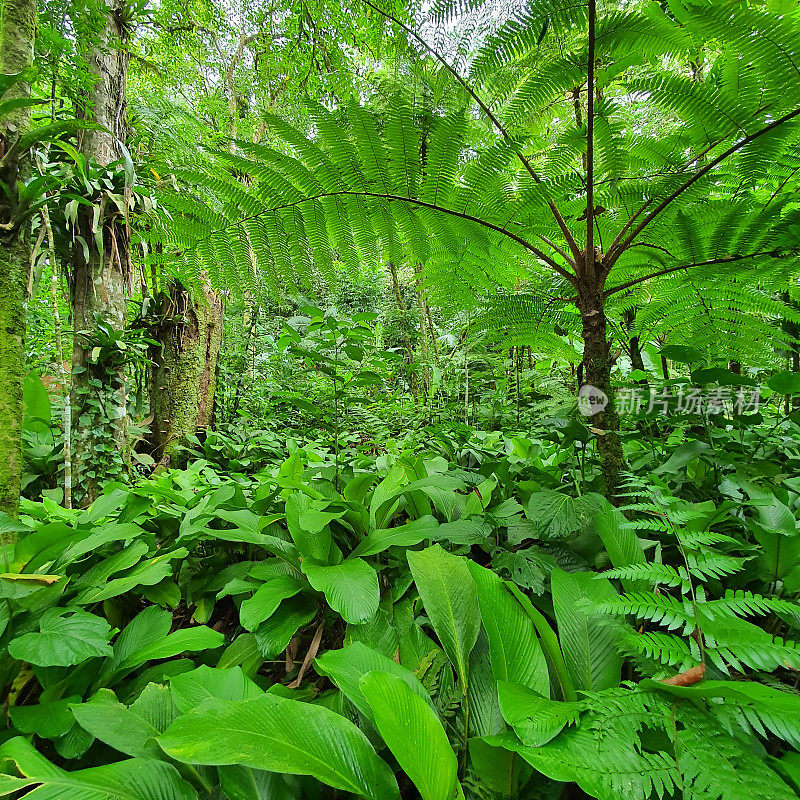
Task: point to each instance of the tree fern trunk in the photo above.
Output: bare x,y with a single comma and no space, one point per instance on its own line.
17,33
100,280
185,368
597,366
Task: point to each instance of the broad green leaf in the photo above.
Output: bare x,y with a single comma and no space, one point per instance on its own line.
621,543
45,544
587,641
448,593
549,642
484,710
461,532
185,640
120,726
65,638
351,588
266,599
190,689
37,404
134,779
682,353
147,637
558,515
315,543
273,635
682,455
242,651
272,733
148,573
345,667
534,718
496,766
785,382
514,648
379,633
406,535
384,497
44,719
414,734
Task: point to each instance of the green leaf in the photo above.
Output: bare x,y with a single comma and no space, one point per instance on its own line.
785,382
273,635
461,532
683,354
414,734
37,404
135,779
148,573
346,667
47,133
312,539
266,599
587,641
272,733
185,640
147,637
65,638
558,515
190,689
351,588
9,79
721,377
131,730
535,719
621,543
514,648
549,642
406,535
448,593
44,719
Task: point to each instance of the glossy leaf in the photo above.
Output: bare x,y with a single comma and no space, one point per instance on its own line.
272,733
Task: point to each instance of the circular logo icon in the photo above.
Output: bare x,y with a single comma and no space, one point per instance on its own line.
591,400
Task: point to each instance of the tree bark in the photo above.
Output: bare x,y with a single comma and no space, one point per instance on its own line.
597,365
183,378
100,279
17,34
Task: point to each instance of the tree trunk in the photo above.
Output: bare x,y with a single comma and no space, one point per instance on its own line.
100,279
185,367
597,365
17,33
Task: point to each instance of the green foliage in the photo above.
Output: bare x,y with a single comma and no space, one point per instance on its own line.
389,569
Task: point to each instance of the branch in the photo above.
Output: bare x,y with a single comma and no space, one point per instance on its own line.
668,270
622,246
573,245
555,247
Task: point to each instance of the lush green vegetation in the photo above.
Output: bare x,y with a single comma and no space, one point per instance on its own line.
400,400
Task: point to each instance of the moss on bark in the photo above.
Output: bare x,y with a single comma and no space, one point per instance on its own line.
597,362
13,289
99,283
17,33
184,373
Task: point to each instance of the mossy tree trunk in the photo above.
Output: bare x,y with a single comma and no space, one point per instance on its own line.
184,374
597,362
100,278
17,34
